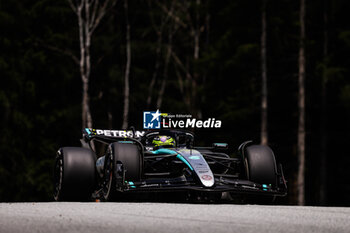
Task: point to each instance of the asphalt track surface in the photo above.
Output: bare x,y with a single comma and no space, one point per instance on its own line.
163,217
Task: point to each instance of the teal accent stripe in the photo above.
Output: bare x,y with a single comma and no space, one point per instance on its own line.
87,130
164,151
184,160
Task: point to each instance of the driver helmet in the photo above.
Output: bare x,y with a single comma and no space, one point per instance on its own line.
163,141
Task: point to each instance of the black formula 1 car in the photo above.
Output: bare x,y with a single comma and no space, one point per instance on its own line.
162,161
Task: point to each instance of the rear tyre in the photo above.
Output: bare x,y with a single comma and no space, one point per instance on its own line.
124,155
74,174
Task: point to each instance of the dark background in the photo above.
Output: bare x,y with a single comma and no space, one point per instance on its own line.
40,89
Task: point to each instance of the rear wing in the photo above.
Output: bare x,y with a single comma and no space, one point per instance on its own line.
89,132
107,136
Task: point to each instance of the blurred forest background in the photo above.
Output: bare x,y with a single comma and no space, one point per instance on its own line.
203,57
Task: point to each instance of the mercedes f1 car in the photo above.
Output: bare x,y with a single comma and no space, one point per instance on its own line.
162,161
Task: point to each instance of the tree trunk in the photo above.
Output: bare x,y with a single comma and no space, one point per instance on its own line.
323,153
264,103
301,106
127,70
165,73
155,72
110,119
89,14
84,79
195,107
87,60
84,64
86,115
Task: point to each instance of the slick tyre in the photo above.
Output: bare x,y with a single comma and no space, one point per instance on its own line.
129,155
121,155
260,165
74,174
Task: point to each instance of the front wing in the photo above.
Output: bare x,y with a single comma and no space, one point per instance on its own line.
237,186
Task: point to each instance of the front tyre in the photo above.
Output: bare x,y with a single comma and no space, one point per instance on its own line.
74,174
260,165
121,156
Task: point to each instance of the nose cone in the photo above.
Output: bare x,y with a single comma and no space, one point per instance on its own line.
207,179
199,165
